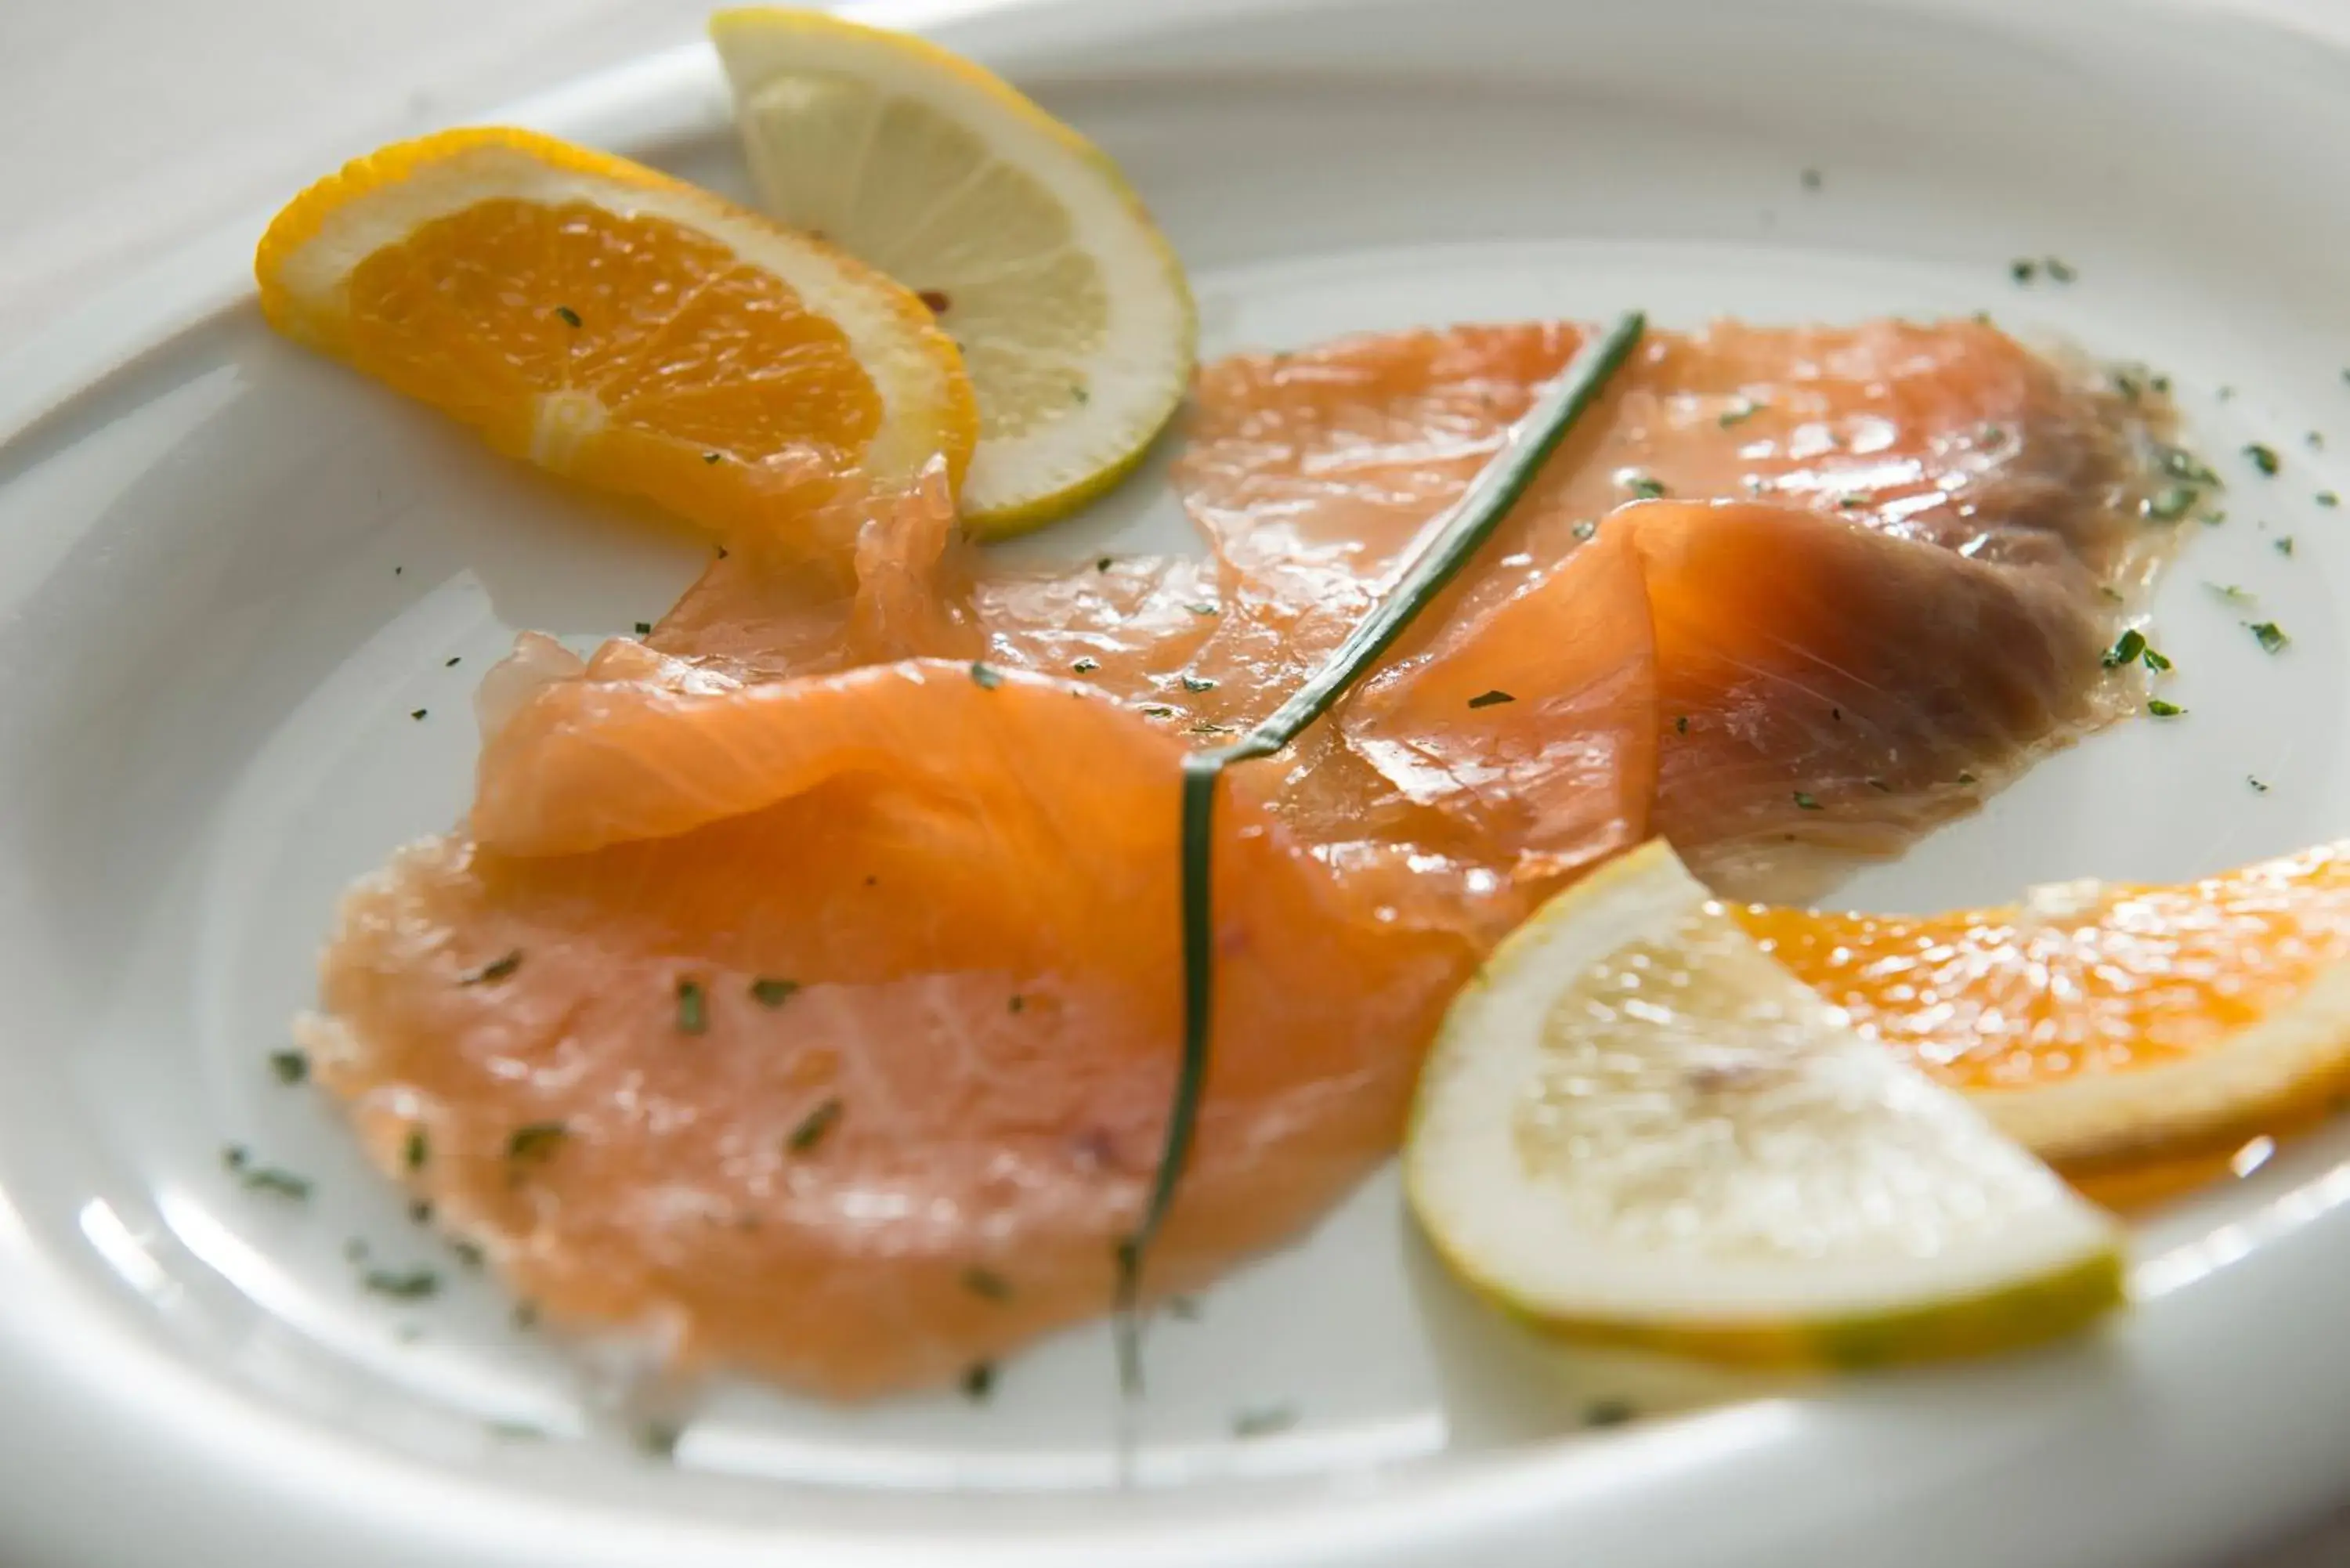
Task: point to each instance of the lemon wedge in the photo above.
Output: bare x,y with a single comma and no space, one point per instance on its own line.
1636,1128
1070,308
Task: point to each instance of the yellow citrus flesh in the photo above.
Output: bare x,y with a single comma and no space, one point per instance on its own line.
1069,306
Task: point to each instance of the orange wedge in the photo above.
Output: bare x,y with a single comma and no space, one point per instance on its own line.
616,325
2106,1025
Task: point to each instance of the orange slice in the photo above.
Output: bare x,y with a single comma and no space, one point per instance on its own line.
2105,1025
616,325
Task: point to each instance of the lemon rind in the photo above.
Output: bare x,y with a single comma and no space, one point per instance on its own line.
2059,1266
1137,377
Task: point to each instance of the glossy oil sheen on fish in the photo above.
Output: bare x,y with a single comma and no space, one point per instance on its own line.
805,985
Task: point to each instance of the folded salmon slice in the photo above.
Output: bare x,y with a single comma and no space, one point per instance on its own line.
805,988
819,1027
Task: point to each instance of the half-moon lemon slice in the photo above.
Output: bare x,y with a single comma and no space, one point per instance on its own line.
1069,306
1637,1127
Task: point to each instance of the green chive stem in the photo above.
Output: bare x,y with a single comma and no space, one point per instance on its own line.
1472,519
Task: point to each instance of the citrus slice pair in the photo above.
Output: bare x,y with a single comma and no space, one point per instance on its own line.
1733,1132
625,329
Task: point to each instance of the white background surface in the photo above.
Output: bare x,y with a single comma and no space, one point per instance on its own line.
128,127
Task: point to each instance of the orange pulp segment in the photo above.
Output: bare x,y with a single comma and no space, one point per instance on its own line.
2104,1024
616,325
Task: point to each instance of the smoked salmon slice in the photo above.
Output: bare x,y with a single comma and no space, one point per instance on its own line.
818,1026
804,989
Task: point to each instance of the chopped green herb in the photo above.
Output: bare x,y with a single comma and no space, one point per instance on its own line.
2267,634
570,316
2258,788
416,712
2162,710
1198,683
692,1008
644,628
517,1432
1607,1413
2167,505
2180,463
419,1212
1680,724
2060,270
2225,394
2023,270
2213,518
1102,565
1990,435
1738,413
986,1283
2128,384
537,1140
1080,395
466,1252
1585,529
496,969
416,1149
291,1067
2263,458
525,1316
2153,661
769,993
1490,699
2284,546
1805,803
985,677
1202,607
659,1440
449,662
2315,439
2126,649
2230,592
1158,711
2109,593
1853,499
1183,1309
712,456
2328,498
285,1183
1965,778
1086,666
979,1380
1264,1421
814,1126
1645,487
1810,178
408,1285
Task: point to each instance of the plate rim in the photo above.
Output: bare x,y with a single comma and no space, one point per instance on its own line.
289,1484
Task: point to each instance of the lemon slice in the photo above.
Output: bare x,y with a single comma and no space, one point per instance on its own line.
1636,1128
1070,308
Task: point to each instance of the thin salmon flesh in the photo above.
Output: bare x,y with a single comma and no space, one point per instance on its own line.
803,991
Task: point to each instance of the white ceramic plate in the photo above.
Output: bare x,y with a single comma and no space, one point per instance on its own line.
229,573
